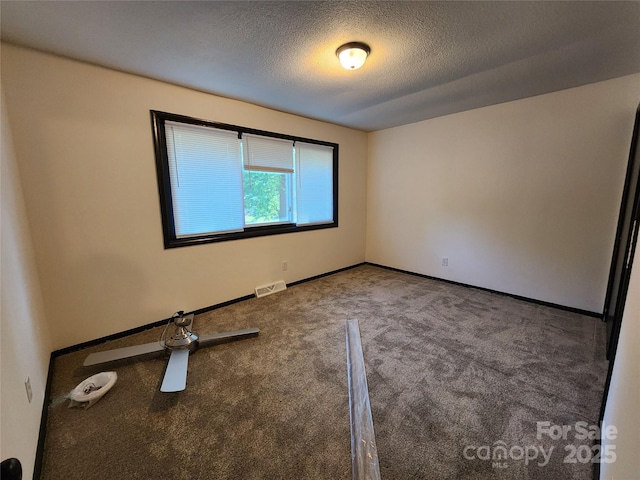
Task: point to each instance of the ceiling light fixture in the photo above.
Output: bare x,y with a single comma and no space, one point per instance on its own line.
352,55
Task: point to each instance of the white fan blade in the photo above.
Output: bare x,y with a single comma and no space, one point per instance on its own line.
219,337
175,378
121,353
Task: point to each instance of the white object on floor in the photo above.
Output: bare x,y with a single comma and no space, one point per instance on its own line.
364,453
91,390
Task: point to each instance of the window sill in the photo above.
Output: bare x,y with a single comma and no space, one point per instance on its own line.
249,232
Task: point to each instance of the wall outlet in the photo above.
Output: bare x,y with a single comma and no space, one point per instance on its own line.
285,265
445,261
27,386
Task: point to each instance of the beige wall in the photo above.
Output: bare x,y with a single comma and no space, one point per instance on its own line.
24,338
83,139
522,197
622,403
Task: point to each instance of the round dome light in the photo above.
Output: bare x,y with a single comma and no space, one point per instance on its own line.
353,55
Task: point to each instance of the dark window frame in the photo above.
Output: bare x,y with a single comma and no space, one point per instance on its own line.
158,120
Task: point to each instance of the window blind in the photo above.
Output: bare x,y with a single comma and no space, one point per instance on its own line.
205,171
314,186
267,154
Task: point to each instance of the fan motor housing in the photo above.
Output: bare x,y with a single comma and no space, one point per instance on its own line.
182,338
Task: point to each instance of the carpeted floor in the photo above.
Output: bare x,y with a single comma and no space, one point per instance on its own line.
453,374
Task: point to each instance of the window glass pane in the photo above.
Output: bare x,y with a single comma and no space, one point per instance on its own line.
205,170
267,197
314,186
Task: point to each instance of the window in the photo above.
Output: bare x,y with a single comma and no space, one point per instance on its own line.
222,182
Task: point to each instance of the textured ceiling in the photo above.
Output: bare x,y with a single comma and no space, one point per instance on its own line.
427,58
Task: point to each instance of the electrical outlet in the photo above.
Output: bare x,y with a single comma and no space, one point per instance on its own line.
445,261
27,385
285,265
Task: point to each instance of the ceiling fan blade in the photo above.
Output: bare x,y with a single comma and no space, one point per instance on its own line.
175,378
121,353
221,337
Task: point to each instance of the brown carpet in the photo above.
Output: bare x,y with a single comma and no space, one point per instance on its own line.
448,367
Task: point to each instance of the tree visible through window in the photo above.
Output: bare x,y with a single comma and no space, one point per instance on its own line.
265,197
222,182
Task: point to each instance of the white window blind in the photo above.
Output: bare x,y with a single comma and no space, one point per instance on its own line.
314,185
205,170
267,154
